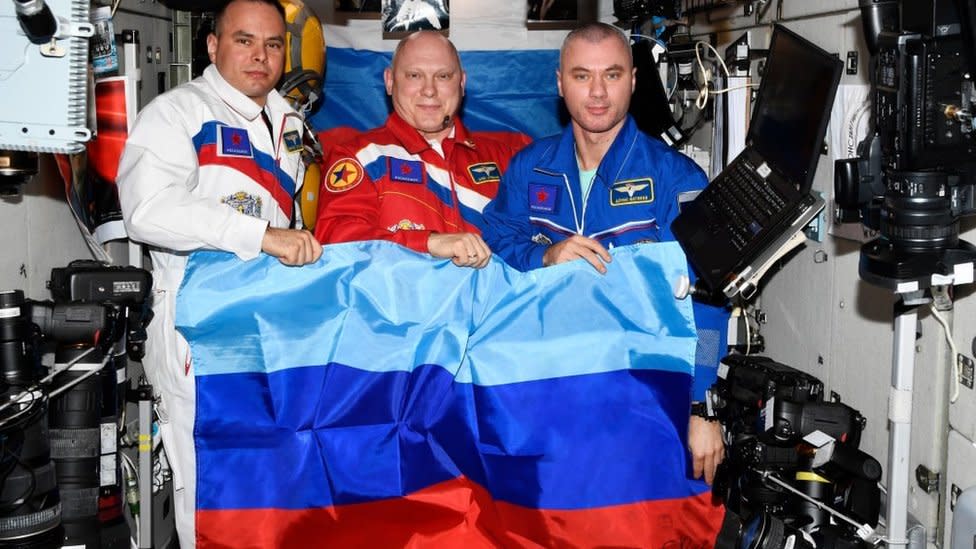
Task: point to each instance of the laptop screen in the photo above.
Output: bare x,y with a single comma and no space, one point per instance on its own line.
791,112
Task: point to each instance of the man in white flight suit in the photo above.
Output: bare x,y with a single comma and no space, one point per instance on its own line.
213,164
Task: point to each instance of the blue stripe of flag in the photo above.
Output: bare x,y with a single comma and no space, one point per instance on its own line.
333,435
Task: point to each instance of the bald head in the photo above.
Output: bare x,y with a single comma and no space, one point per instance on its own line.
425,39
426,83
595,33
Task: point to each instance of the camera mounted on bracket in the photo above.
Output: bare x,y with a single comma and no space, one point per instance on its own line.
915,174
99,304
792,459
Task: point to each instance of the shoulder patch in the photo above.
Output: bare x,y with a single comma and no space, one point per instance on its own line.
632,191
293,141
485,172
234,142
344,175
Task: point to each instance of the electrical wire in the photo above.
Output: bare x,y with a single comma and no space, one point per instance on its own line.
706,75
669,64
17,398
55,371
852,127
115,6
130,468
81,378
953,361
675,86
864,531
745,317
33,406
652,38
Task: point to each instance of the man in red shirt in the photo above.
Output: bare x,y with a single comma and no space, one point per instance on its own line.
422,179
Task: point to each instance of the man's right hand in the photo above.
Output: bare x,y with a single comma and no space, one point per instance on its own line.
291,246
463,249
576,247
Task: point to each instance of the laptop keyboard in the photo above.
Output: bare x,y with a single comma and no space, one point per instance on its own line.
745,200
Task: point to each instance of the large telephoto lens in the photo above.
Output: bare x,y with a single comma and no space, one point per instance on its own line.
75,422
30,507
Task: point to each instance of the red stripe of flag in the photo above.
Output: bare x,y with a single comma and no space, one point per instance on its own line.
459,514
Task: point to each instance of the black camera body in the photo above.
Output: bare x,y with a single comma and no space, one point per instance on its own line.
915,174
921,89
96,304
777,424
93,282
59,475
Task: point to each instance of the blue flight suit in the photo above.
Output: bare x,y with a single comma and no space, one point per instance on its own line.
633,199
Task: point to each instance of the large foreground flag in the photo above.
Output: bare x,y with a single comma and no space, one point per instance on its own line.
380,398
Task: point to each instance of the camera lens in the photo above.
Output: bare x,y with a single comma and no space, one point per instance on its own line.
15,352
75,420
917,212
766,531
30,506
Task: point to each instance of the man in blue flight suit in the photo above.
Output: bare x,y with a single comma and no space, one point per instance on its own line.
602,183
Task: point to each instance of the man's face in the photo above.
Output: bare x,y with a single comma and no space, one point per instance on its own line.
426,85
249,48
596,80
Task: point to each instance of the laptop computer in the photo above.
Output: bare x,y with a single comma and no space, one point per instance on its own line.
757,205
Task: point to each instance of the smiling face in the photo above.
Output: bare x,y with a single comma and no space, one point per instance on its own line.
248,48
426,83
596,79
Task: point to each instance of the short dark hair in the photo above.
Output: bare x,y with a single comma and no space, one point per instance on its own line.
219,14
596,32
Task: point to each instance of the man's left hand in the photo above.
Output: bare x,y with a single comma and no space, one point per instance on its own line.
707,448
463,249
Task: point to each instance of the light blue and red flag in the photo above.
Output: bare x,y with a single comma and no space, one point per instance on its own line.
380,398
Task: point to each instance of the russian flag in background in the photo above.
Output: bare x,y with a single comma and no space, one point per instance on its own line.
380,398
509,92
506,91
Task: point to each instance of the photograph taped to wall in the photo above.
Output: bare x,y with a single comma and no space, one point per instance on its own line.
358,9
558,14
404,16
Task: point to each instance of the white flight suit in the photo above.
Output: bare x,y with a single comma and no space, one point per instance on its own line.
200,170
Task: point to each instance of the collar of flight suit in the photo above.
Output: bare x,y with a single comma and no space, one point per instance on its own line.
414,143
561,158
236,100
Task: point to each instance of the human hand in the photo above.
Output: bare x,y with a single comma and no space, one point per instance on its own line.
707,448
576,247
291,246
463,249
